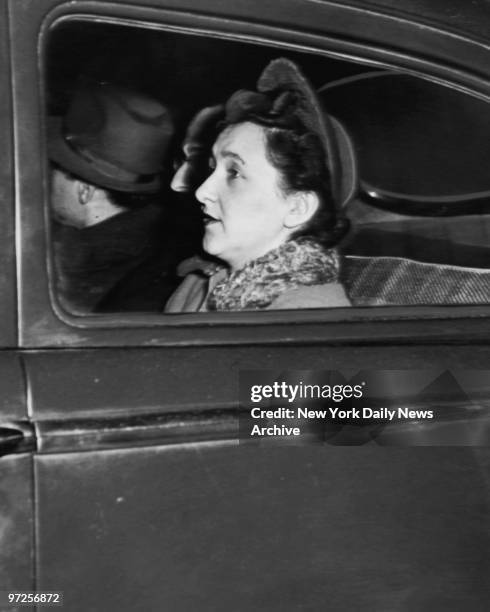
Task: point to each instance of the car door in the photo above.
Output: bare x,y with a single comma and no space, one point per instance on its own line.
144,498
16,439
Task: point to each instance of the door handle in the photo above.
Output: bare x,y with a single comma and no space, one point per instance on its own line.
16,437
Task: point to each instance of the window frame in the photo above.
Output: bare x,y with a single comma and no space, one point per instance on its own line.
46,324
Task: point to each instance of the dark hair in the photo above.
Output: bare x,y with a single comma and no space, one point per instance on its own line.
300,158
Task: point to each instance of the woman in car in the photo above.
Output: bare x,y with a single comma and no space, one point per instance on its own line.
269,213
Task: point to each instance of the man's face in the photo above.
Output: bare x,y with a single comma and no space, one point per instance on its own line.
194,168
65,204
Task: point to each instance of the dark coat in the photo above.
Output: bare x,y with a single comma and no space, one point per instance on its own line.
126,263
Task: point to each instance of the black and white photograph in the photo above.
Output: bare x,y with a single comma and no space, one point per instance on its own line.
245,305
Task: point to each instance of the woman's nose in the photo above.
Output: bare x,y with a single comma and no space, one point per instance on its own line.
206,192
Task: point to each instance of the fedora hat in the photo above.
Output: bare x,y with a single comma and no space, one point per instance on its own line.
112,137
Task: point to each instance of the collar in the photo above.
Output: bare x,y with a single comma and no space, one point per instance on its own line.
296,263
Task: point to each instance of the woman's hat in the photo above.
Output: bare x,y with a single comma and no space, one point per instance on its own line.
283,75
112,137
283,92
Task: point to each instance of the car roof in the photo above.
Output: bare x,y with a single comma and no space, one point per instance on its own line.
459,16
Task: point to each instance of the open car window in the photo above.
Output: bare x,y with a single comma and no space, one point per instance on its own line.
420,219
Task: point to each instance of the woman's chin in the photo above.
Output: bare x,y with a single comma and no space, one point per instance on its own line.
211,245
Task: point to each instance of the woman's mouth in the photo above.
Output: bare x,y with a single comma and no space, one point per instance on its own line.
207,219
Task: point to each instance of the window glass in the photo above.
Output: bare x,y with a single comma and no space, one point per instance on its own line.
128,145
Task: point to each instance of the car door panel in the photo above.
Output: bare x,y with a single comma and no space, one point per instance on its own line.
263,527
114,382
16,523
13,398
8,285
16,478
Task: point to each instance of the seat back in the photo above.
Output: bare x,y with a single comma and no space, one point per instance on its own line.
385,281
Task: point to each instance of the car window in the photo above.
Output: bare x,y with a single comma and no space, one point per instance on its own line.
425,191
419,221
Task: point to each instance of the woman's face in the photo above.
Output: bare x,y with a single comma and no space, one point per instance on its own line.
244,208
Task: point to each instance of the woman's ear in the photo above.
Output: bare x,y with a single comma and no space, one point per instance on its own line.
302,205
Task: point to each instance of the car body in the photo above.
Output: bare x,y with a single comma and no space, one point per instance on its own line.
122,483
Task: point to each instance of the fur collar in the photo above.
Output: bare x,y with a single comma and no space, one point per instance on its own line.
296,263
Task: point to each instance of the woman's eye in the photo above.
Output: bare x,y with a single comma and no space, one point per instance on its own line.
212,163
233,172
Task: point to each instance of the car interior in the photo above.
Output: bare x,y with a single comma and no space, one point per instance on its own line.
413,150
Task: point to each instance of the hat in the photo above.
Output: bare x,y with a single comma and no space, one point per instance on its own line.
282,75
284,94
112,137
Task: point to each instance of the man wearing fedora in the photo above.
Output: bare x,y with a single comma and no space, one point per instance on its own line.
114,248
